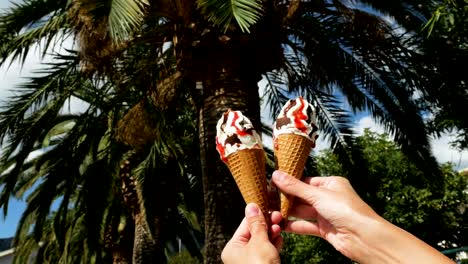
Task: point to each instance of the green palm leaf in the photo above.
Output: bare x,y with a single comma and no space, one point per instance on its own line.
371,68
124,17
39,20
245,12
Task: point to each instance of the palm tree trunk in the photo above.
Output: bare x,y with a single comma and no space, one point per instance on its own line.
145,248
149,243
122,252
224,206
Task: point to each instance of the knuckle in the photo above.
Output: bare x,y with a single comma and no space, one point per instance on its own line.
257,222
341,179
290,182
309,197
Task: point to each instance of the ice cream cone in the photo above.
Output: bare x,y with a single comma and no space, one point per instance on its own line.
248,169
240,147
291,152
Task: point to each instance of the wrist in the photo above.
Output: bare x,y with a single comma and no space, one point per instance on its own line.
376,242
363,242
383,242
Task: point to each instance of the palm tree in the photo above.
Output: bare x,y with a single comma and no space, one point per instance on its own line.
328,51
105,210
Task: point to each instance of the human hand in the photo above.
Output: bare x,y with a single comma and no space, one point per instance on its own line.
349,224
250,243
338,213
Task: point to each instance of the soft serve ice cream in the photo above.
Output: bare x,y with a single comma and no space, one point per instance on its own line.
296,117
235,132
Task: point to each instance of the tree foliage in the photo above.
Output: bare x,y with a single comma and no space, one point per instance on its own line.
309,250
75,184
445,50
183,257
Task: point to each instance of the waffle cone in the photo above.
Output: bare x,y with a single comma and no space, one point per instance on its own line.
291,152
248,169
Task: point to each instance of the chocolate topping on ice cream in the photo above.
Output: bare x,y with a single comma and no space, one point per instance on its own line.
235,132
296,117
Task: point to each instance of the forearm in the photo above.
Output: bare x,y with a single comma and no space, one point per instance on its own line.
383,242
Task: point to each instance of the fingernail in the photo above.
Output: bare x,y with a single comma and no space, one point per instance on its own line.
252,210
279,176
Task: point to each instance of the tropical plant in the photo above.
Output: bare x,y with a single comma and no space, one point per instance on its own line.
215,52
446,49
447,19
114,202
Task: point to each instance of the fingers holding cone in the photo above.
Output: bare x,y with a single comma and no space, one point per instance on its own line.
240,147
292,152
294,135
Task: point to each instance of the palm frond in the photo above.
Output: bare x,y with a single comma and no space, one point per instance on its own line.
149,179
27,118
28,243
182,227
60,129
411,14
37,92
26,14
246,13
29,174
373,75
31,130
98,192
48,250
335,122
275,92
41,23
69,158
124,17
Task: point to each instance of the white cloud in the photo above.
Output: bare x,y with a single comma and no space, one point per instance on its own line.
75,106
440,147
14,74
321,144
445,153
367,123
5,4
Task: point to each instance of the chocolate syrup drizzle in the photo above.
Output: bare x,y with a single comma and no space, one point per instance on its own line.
282,121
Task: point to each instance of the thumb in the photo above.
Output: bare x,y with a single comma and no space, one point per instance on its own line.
256,221
295,187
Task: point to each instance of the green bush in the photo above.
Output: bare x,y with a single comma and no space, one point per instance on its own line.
183,257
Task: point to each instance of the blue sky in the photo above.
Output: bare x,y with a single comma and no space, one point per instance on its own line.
7,226
13,75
